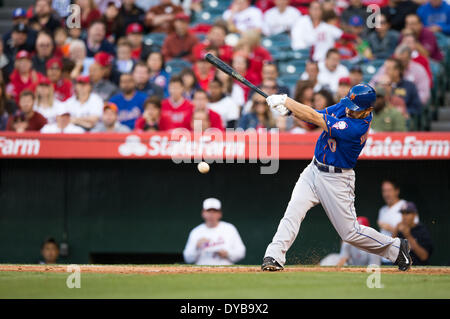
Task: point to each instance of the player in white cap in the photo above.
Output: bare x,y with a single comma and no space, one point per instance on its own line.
213,242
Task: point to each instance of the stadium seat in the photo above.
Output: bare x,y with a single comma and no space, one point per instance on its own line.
221,5
292,67
175,66
208,17
289,80
155,38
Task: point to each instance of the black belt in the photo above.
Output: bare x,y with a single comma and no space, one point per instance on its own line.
326,168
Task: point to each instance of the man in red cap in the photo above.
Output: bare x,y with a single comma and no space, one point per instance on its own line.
109,122
63,87
99,72
179,44
23,76
135,35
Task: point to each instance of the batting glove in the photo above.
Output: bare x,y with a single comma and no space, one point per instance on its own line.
277,102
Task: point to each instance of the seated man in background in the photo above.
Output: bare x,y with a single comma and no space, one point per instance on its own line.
49,251
26,119
214,242
241,17
179,43
386,118
352,256
435,15
108,122
200,102
280,18
416,233
62,124
331,70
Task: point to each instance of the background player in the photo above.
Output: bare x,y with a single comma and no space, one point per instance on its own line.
330,180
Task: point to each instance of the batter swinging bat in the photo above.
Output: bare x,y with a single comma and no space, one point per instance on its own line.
218,63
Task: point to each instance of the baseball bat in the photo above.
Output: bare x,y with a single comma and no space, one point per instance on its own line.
218,63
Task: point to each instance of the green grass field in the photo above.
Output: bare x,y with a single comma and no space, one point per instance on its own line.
223,285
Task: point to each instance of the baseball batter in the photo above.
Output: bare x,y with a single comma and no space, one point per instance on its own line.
330,180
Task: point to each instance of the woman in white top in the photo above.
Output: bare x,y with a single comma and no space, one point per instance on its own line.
45,102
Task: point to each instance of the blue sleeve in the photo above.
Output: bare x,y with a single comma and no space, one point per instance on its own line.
330,110
340,128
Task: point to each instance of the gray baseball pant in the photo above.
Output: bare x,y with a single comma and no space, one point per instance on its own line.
336,193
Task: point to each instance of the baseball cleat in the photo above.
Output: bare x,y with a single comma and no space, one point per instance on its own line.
270,264
404,260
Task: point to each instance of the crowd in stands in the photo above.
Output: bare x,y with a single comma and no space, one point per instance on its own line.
140,64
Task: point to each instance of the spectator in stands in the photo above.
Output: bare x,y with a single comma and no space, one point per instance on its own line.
141,76
384,40
241,64
62,123
435,15
214,242
260,115
200,102
311,74
356,27
352,256
409,40
402,87
200,121
84,106
270,72
124,62
322,99
176,111
331,70
216,39
23,76
131,13
19,40
44,51
343,88
101,85
89,12
25,119
355,8
158,74
203,70
130,101
397,102
242,17
416,233
396,12
95,40
7,106
49,251
62,87
43,18
77,54
223,104
114,22
231,88
304,92
190,83
149,121
386,118
389,215
179,43
356,75
347,46
109,122
427,43
135,36
160,18
414,72
269,86
45,102
62,41
280,18
310,31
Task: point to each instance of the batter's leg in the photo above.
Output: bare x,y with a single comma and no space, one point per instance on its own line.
302,199
336,192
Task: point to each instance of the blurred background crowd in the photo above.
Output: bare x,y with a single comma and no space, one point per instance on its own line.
138,65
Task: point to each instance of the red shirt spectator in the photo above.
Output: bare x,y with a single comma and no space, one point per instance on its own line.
160,18
26,119
200,102
63,87
23,77
89,13
179,43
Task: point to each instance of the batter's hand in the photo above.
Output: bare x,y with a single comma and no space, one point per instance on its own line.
222,253
277,101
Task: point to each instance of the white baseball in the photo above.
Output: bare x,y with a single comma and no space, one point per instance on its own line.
203,167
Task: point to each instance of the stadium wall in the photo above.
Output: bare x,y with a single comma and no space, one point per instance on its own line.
149,206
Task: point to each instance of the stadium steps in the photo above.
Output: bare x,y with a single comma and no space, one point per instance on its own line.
443,123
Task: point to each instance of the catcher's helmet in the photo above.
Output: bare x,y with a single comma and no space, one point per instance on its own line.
360,97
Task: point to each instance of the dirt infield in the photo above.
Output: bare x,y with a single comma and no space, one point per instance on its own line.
181,269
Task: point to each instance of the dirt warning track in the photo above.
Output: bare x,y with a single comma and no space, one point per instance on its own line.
184,269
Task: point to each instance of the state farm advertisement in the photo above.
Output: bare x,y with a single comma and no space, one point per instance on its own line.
217,145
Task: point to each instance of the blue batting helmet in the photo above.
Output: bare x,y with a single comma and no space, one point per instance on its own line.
360,97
